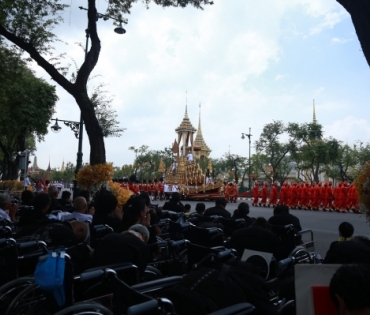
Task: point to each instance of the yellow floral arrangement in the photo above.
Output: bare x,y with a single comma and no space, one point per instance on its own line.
12,185
97,177
122,195
363,189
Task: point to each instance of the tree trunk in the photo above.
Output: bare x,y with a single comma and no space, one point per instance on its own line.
93,129
360,13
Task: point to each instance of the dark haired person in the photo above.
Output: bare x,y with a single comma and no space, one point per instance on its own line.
107,212
27,198
135,211
174,203
282,217
65,201
219,209
346,230
53,193
187,208
349,290
200,207
242,213
278,221
34,219
354,251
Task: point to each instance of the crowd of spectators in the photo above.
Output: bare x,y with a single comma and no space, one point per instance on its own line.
135,229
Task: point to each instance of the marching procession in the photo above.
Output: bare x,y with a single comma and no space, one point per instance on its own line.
306,196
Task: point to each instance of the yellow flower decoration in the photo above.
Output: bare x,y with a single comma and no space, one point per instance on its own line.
363,189
121,194
95,177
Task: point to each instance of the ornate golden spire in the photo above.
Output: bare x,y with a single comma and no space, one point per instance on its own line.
199,140
186,125
314,113
199,124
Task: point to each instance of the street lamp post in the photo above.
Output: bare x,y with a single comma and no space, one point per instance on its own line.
249,159
77,128
23,162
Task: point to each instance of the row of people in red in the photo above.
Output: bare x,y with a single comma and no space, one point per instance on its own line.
308,196
152,188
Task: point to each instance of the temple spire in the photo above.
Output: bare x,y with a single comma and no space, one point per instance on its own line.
314,113
186,106
199,123
49,168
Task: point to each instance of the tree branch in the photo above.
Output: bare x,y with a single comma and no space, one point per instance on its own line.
92,56
35,55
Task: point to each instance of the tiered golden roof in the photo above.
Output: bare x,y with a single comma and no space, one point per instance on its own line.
185,125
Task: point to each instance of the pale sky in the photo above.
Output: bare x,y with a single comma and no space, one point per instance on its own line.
247,62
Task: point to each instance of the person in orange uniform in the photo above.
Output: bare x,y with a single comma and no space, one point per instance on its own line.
315,196
305,196
353,198
227,191
339,198
288,194
283,194
255,194
322,193
329,197
132,184
233,192
294,196
264,195
160,188
336,193
273,195
347,203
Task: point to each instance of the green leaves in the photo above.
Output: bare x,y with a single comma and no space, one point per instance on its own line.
26,103
105,114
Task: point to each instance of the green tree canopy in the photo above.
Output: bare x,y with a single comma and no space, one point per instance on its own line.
312,152
27,104
271,147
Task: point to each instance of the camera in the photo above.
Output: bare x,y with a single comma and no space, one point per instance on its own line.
14,201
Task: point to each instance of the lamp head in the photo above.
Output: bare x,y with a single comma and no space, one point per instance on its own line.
243,136
56,128
119,29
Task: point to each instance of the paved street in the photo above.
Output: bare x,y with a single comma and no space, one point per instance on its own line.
323,224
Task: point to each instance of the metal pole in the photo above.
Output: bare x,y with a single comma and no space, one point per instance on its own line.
25,169
76,190
249,160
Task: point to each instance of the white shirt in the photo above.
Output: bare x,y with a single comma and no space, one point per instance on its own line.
82,217
4,215
189,157
165,188
175,188
27,182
